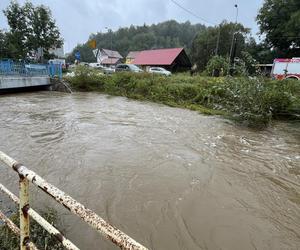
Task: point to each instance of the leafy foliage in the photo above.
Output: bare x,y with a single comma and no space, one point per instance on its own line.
261,52
248,63
205,43
280,22
31,27
44,32
217,66
19,31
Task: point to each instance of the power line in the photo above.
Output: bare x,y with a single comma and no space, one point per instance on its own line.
192,13
197,16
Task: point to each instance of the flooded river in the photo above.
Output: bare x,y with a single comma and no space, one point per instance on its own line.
170,178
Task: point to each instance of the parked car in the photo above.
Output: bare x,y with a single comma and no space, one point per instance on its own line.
128,67
159,70
108,70
96,65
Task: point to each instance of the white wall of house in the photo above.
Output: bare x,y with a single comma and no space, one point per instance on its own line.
100,56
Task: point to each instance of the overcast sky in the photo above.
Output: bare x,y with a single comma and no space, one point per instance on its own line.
77,19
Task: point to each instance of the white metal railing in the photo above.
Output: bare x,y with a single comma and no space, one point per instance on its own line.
95,221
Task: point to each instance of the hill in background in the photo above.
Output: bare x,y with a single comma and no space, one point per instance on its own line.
162,35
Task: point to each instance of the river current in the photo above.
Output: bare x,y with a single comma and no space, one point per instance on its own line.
170,178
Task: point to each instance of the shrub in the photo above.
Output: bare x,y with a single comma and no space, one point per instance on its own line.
217,66
86,78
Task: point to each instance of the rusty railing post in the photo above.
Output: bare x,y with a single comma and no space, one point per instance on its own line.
23,212
110,232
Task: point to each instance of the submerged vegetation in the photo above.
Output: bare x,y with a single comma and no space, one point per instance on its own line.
251,101
41,238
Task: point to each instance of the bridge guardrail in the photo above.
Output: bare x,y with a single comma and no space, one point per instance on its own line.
11,68
95,221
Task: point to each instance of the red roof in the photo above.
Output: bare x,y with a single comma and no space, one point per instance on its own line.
157,56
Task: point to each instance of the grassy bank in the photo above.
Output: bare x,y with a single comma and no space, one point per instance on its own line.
251,101
41,238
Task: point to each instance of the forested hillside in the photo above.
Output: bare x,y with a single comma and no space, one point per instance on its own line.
162,35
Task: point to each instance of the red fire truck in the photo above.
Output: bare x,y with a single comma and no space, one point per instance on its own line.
286,68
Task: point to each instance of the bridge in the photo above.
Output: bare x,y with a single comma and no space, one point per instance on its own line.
19,76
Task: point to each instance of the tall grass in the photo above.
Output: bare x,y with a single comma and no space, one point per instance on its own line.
38,235
252,101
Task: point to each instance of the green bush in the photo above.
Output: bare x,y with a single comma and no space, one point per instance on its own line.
217,66
87,78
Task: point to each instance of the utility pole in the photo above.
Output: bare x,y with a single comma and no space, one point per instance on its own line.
218,40
110,30
231,59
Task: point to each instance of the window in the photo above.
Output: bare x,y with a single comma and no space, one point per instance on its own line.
279,68
134,67
293,68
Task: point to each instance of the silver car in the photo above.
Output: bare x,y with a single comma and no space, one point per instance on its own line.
159,70
108,70
128,67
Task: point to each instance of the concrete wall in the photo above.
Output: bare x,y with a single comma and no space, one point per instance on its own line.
12,82
60,86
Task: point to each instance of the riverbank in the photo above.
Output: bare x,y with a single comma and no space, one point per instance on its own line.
187,180
250,101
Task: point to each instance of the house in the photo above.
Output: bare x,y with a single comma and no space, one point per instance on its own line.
108,57
131,56
173,59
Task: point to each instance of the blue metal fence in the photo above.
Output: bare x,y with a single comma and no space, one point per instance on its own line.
11,68
55,69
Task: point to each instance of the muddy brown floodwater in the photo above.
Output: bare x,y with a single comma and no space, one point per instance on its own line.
170,178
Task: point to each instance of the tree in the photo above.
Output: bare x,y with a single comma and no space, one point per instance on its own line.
30,28
86,54
44,33
279,21
7,49
17,18
217,66
3,44
205,43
